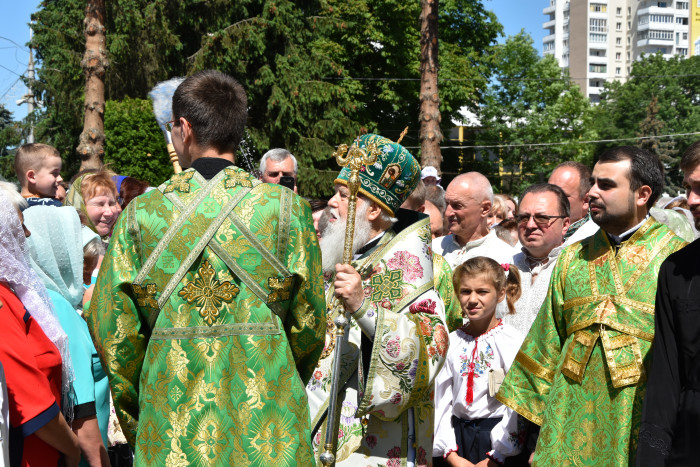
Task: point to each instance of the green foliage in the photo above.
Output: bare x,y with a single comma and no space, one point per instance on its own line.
660,98
532,101
292,57
134,143
10,136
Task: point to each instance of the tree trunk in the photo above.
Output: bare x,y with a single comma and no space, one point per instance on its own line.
430,135
94,63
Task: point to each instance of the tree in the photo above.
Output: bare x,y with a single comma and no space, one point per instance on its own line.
10,136
298,60
534,114
430,134
660,98
134,144
91,147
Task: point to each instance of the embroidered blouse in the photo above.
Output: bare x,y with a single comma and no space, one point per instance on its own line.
461,389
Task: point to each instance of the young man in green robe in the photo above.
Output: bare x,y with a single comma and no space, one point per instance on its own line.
581,372
209,312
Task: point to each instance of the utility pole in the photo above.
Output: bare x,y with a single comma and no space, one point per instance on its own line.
30,98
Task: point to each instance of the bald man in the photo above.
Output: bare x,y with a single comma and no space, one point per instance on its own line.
469,197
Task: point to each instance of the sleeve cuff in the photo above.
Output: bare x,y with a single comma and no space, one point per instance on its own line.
87,409
496,457
366,321
30,426
448,452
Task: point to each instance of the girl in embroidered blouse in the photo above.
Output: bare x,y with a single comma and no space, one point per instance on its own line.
471,426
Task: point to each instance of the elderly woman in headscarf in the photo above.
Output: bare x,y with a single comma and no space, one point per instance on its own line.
95,196
58,261
33,350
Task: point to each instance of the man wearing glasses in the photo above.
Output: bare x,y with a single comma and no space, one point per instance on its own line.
581,371
543,219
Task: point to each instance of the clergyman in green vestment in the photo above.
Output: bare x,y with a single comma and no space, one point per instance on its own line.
581,371
209,312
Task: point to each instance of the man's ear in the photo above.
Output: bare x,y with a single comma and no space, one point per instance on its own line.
586,200
373,212
485,208
643,194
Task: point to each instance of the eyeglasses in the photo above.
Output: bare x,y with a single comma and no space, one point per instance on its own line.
540,219
171,124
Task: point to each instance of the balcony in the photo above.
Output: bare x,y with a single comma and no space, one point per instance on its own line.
549,24
655,42
549,10
549,38
655,10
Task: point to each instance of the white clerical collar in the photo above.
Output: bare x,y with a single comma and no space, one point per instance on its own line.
617,239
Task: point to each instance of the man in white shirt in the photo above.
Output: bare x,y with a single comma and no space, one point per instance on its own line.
574,179
543,219
469,197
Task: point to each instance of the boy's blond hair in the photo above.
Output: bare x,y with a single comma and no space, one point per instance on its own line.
31,157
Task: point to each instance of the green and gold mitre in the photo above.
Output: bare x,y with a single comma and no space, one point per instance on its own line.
391,179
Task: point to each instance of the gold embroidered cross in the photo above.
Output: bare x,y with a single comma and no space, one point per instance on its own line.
208,293
387,285
180,182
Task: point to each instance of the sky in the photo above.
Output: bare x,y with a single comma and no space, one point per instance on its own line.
14,34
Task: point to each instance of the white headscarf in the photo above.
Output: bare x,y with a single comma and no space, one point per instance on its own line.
24,282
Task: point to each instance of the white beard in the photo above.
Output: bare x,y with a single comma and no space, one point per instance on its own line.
333,237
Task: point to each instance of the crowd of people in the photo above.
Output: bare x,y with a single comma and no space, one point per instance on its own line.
194,323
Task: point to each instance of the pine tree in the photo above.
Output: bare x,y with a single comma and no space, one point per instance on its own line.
665,149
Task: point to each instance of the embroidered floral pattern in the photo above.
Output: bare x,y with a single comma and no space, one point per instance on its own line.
424,306
280,289
180,182
482,363
407,263
236,178
208,293
146,295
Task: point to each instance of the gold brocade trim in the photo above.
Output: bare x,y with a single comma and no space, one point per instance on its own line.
649,337
615,271
626,372
519,408
592,278
621,300
655,251
575,365
568,256
284,224
222,330
533,367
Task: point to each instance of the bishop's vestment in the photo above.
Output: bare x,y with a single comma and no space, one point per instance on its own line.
396,344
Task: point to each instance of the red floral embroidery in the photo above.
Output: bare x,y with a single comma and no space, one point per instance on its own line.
408,263
394,456
424,306
442,339
421,460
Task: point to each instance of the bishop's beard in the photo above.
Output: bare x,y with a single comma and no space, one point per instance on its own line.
333,237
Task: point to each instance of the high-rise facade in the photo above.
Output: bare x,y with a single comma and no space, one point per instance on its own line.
597,40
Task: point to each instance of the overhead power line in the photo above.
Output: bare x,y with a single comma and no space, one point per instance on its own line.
561,78
506,146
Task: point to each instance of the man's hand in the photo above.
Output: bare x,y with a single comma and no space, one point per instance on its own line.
488,463
454,460
348,287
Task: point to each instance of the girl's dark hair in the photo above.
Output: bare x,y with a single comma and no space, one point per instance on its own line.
131,188
496,273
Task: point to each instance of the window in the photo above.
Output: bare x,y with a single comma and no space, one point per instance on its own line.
548,46
618,71
683,21
598,25
597,37
618,27
618,56
598,8
618,12
652,34
660,18
618,41
661,4
685,36
597,68
682,5
683,52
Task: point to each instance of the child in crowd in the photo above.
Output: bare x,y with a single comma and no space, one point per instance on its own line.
471,426
38,168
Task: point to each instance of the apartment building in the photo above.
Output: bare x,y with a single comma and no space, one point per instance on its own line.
597,40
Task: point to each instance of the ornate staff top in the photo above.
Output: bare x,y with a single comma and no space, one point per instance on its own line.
354,159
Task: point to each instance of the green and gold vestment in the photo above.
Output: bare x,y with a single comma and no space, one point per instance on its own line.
581,371
209,316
